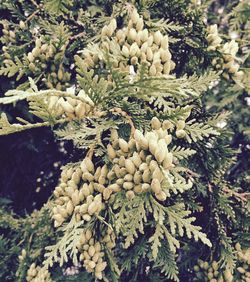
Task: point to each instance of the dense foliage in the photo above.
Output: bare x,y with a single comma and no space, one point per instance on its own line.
149,101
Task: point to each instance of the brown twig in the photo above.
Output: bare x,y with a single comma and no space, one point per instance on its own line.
192,173
90,152
210,188
128,118
77,35
32,15
34,3
241,196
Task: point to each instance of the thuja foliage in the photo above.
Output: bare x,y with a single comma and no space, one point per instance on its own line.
236,96
149,195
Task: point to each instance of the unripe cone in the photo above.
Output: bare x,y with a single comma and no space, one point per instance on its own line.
239,75
128,185
138,188
215,265
70,190
100,266
167,68
149,54
152,146
165,55
58,217
89,165
212,37
75,198
92,264
95,257
22,25
139,24
12,34
156,186
38,42
91,251
155,123
136,159
135,16
44,47
99,187
62,211
153,165
140,139
80,110
125,51
180,133
121,161
88,235
161,196
210,276
144,35
128,177
52,102
134,49
36,52
180,124
119,182
120,34
117,170
144,47
159,155
76,177
85,190
172,65
158,37
132,34
134,61
107,193
146,176
98,275
142,155
152,70
104,171
30,57
233,68
216,42
150,40
129,165
114,187
113,24
66,106
164,42
144,58
241,270
145,187
123,145
105,31
102,179
137,177
143,167
88,176
84,208
130,195
97,247
111,175
69,207
86,217
131,144
156,58
138,39
168,160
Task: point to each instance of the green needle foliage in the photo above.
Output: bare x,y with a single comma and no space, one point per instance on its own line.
149,102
